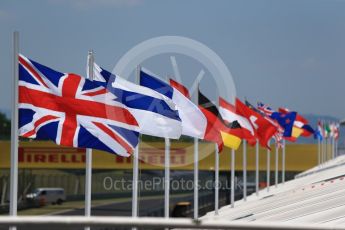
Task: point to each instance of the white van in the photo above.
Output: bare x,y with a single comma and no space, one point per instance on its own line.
43,196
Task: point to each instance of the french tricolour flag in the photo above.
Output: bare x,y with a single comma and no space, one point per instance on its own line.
156,114
193,120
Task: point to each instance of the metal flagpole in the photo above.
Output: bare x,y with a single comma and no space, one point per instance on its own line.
257,168
216,188
330,148
323,150
232,191
244,170
336,148
277,162
325,145
14,131
167,178
326,148
283,162
268,168
135,169
167,174
196,169
333,154
335,144
196,178
321,144
135,182
318,151
88,164
322,130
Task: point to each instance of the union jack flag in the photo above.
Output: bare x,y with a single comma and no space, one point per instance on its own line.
265,109
72,111
267,112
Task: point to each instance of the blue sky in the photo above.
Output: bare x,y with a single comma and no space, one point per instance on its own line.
285,53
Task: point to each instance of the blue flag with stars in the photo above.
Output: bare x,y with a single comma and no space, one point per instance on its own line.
286,121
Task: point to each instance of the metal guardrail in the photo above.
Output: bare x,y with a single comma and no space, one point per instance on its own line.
154,222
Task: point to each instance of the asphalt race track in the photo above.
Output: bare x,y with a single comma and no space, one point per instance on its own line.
147,207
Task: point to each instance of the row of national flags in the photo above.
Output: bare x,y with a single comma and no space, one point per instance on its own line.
108,112
327,130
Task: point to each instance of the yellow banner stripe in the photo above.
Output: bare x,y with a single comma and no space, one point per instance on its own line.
230,140
296,132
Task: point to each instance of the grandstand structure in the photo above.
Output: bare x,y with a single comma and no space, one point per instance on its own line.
315,197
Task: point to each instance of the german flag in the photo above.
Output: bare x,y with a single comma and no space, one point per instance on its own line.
217,130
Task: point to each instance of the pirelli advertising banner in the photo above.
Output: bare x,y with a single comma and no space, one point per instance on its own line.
47,155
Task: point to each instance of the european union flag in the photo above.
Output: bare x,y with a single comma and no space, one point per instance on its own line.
286,121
